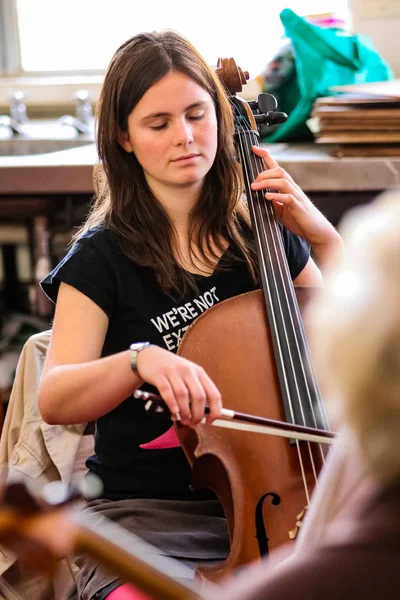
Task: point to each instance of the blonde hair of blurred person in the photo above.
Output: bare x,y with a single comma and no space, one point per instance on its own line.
354,331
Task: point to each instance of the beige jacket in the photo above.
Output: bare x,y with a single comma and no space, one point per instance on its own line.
30,448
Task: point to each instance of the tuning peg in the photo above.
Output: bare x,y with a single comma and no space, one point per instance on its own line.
271,118
266,103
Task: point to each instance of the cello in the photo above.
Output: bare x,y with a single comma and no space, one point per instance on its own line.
254,348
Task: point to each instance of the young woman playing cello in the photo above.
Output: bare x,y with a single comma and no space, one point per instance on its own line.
168,236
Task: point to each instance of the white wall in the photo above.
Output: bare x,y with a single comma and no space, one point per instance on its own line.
380,21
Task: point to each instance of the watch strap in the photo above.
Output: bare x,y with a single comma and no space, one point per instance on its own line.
134,352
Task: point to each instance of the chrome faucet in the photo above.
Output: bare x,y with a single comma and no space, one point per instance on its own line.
83,119
18,116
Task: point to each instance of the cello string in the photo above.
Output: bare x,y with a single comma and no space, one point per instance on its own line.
289,288
246,175
312,459
275,285
282,273
263,267
285,277
283,270
299,334
254,169
289,291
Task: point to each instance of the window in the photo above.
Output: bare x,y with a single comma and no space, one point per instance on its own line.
81,35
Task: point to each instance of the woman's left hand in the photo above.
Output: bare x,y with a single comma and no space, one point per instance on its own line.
292,207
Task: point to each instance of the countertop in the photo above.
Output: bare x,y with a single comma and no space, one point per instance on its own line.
310,165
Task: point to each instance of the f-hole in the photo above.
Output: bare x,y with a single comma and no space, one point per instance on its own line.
261,532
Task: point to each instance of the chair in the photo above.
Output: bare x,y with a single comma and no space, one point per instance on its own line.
38,452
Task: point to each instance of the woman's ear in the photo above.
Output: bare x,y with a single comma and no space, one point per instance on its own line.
123,141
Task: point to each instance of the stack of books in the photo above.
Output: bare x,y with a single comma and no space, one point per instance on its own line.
362,120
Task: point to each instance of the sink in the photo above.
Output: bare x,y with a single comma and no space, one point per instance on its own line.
42,137
25,146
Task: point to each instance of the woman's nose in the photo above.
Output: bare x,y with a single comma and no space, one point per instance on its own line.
183,133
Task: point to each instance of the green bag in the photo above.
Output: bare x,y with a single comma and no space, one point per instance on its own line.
323,58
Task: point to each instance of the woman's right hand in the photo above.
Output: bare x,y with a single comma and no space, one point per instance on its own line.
184,386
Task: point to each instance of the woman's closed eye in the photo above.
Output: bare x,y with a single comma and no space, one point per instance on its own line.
158,127
192,117
196,117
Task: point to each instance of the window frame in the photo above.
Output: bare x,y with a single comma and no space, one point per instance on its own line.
10,49
10,54
43,89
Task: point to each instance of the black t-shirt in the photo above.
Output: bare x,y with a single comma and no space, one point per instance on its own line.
136,454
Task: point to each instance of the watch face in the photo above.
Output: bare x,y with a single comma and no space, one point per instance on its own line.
139,346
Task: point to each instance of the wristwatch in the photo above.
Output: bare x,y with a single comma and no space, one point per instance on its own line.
135,349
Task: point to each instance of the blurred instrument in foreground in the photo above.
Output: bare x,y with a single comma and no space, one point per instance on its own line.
44,528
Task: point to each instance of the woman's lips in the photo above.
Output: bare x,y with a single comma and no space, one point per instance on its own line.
186,157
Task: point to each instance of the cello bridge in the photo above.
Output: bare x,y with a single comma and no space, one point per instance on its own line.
299,520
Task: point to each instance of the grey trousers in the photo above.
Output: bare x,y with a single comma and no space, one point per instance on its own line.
194,533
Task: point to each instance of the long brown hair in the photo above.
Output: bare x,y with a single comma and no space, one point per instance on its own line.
124,202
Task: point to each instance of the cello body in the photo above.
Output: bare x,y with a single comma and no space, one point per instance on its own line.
259,479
